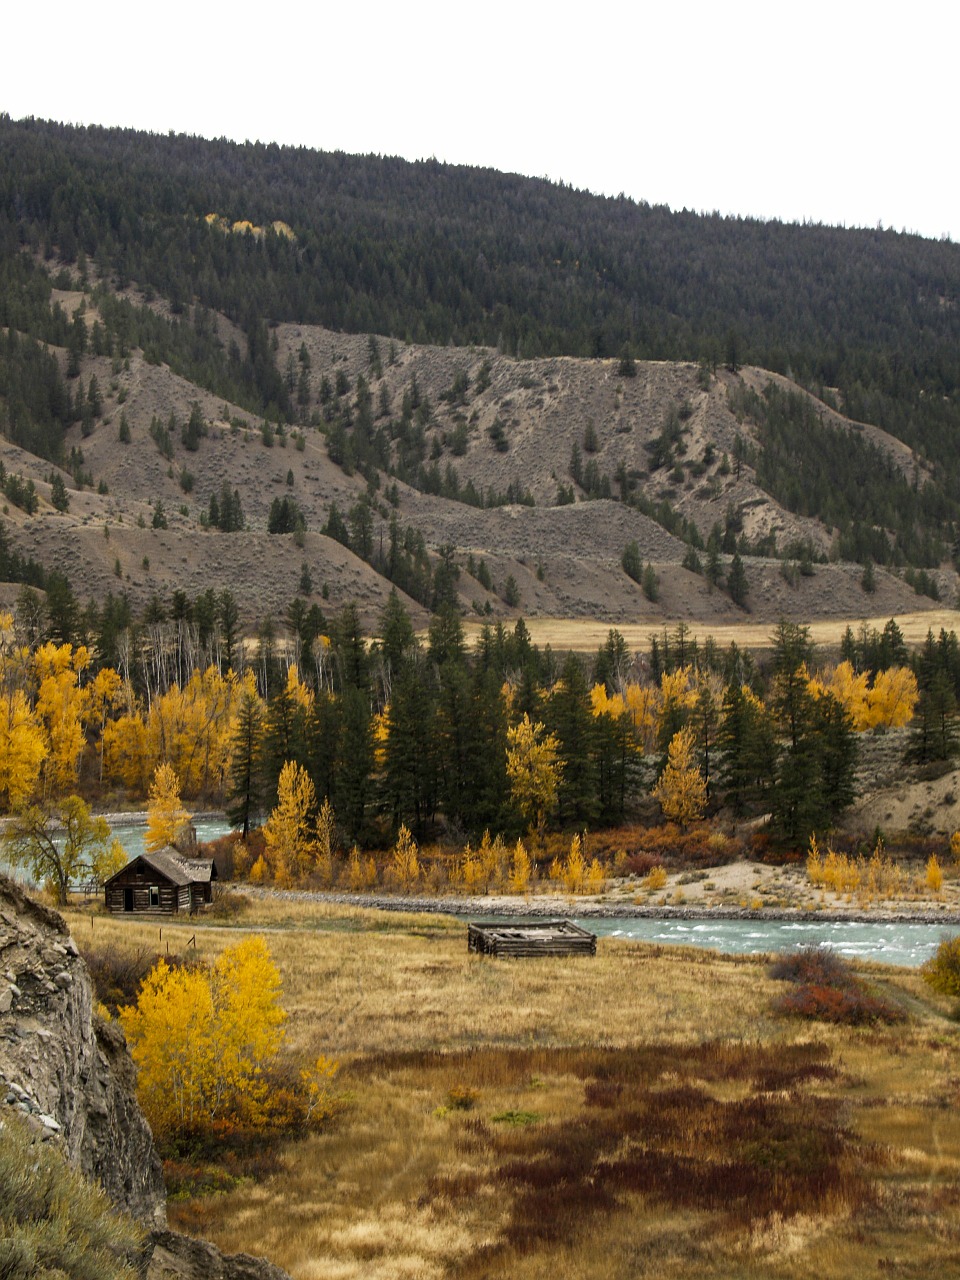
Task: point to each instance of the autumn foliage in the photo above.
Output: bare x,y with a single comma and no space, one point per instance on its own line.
206,1042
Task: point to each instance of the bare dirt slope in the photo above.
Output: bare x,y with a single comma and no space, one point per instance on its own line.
518,423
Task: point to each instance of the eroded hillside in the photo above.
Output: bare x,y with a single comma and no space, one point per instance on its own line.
537,473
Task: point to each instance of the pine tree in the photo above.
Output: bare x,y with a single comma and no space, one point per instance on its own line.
568,715
737,582
244,787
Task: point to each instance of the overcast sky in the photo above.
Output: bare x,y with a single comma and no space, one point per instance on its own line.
841,112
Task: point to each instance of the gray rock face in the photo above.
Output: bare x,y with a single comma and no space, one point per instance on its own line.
73,1078
64,1067
177,1257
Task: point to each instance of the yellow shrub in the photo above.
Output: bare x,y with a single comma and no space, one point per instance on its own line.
655,878
934,874
596,878
259,872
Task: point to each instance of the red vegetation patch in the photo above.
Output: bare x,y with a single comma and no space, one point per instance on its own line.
826,990
648,1124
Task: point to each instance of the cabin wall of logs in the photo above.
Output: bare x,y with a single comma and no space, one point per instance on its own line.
530,938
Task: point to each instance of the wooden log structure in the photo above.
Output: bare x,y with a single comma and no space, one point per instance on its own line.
530,938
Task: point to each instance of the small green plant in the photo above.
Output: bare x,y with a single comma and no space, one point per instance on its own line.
516,1119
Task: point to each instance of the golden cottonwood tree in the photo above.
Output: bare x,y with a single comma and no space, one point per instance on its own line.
166,816
23,749
892,699
534,768
62,846
201,1039
681,789
192,728
61,709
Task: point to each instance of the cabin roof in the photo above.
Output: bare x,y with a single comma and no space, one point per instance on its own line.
173,866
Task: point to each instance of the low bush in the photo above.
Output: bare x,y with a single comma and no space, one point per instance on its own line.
826,990
117,973
942,970
52,1221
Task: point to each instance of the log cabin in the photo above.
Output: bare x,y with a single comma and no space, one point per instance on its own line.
162,883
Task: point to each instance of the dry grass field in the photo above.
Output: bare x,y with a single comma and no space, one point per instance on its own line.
643,1113
588,636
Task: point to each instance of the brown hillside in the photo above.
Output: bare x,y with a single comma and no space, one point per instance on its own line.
565,559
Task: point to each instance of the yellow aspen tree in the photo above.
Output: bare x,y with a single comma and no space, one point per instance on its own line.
249,1026
326,822
290,846
681,789
891,701
520,870
61,709
534,769
491,856
201,1039
852,692
575,868
105,692
126,753
471,870
405,863
259,872
23,749
596,877
166,816
955,847
605,704
934,874
193,728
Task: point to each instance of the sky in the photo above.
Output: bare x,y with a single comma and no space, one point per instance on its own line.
842,112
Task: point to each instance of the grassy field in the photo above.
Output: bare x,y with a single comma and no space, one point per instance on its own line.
643,1113
585,636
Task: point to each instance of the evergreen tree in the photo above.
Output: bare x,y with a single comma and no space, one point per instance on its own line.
746,745
567,714
244,794
737,582
58,493
284,739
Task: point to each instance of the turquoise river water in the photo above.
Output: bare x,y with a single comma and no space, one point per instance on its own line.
889,943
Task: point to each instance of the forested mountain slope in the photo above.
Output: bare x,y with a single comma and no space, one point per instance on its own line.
188,323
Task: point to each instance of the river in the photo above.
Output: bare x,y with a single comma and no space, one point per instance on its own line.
889,942
131,836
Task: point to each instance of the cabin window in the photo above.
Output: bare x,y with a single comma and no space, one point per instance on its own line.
154,895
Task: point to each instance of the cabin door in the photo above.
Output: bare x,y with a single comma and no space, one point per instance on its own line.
128,898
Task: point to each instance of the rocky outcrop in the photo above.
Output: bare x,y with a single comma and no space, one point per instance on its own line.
70,1074
177,1257
66,1069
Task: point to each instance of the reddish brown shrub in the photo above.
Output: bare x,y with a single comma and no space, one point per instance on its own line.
826,990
